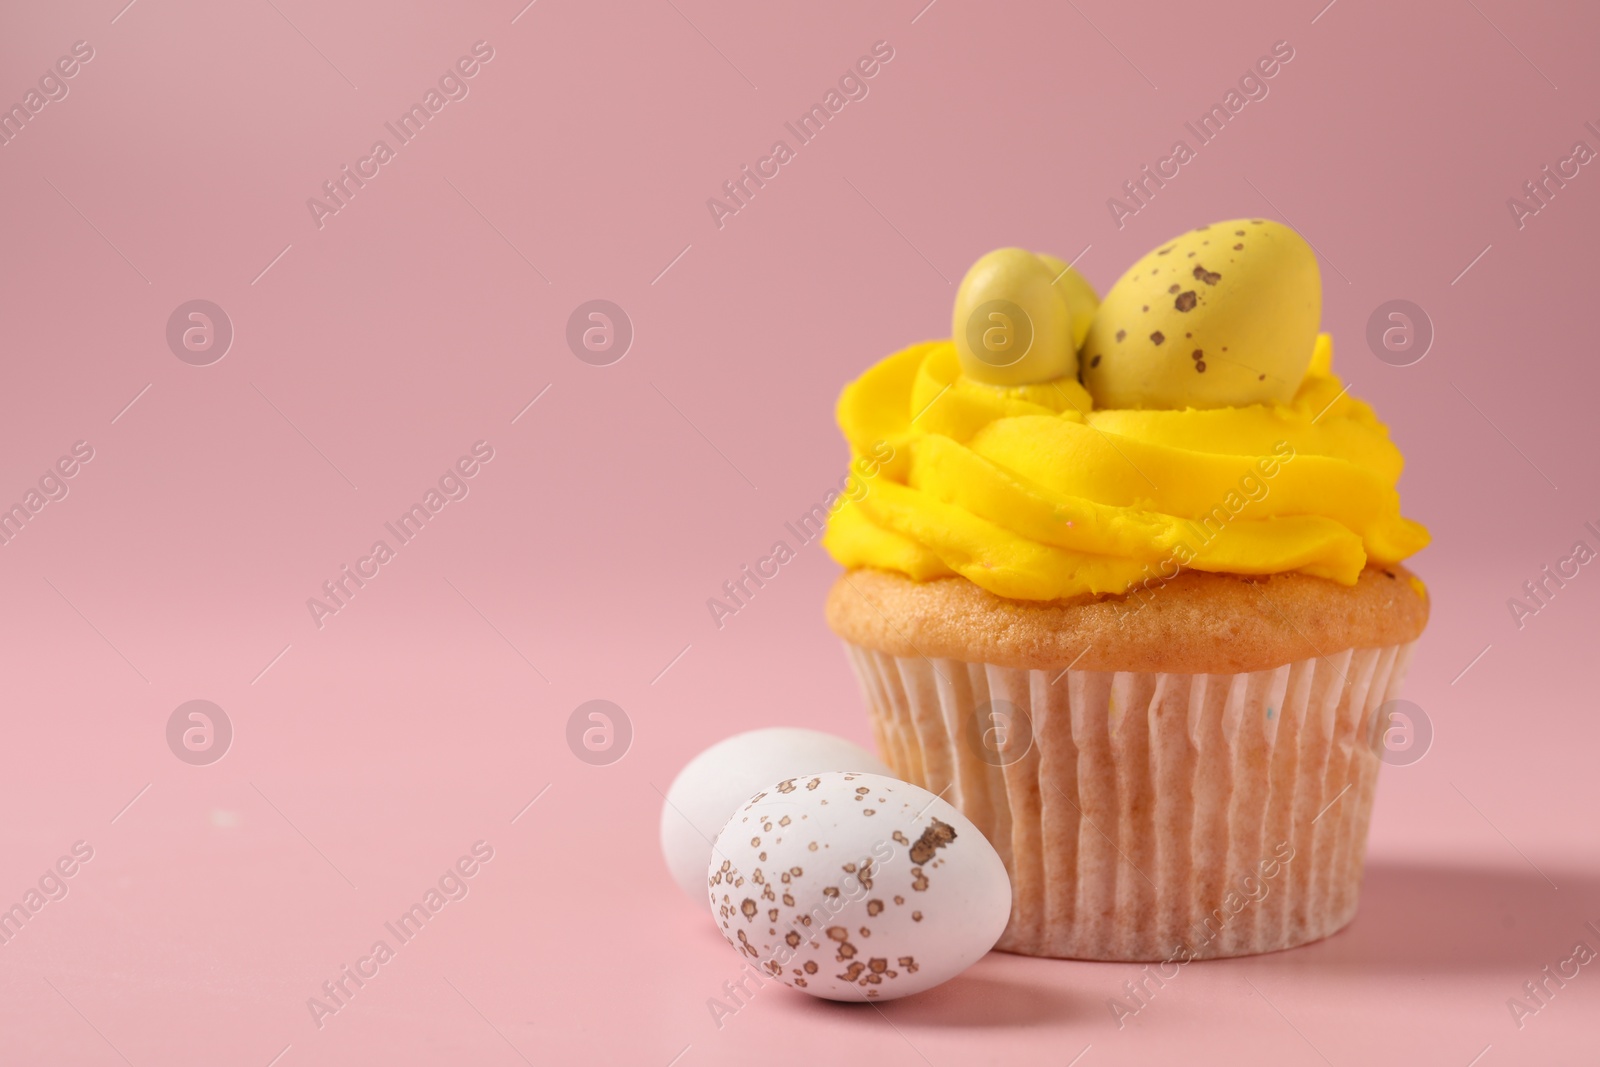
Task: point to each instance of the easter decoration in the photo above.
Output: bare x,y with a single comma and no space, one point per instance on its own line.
821,870
713,785
1019,318
857,886
1224,316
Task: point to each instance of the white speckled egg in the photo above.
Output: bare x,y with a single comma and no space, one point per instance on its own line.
730,772
854,886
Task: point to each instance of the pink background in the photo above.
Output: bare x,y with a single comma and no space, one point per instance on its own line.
371,753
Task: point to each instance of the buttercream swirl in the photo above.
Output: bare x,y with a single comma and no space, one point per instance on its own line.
1032,494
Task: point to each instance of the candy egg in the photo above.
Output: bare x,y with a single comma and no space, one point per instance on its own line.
857,887
1012,324
1082,300
1224,316
717,781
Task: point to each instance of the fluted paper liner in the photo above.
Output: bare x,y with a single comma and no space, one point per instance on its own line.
1152,816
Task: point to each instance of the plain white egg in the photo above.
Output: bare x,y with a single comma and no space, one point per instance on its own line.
724,776
854,886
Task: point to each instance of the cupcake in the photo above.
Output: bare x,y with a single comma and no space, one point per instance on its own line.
1123,583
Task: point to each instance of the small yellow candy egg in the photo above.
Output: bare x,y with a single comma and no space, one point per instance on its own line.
1224,316
1012,324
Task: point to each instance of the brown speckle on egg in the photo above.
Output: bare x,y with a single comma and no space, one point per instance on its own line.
1238,248
1157,337
1121,334
1186,301
1095,362
1197,354
874,907
1174,287
1209,277
1165,250
935,837
1200,366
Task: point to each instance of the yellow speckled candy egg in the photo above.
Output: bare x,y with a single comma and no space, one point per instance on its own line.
1224,316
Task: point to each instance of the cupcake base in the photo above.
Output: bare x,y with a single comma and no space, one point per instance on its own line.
1152,816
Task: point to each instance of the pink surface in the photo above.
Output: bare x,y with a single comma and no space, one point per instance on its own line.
370,353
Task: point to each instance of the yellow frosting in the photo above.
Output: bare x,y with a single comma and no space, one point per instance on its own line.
1033,494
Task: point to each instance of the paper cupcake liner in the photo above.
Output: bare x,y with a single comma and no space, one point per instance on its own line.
1152,816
